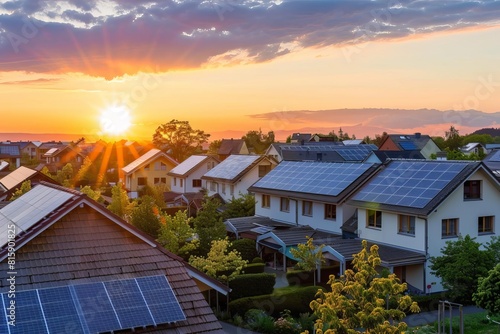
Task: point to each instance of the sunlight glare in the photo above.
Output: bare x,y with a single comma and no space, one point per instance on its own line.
115,120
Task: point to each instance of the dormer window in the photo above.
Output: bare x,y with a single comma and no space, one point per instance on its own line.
472,189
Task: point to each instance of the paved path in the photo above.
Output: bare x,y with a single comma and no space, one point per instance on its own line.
424,318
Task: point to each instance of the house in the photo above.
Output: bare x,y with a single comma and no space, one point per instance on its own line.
15,179
378,156
417,141
473,148
300,137
232,146
151,168
492,161
10,153
321,151
420,205
58,157
81,269
310,193
29,149
186,177
318,137
45,147
233,176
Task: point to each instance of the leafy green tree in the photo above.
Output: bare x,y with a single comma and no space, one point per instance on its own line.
453,140
146,216
156,192
177,235
91,193
493,246
358,299
179,139
246,247
45,171
214,146
208,224
83,173
25,187
461,264
120,204
65,175
220,263
309,256
258,140
439,142
243,206
488,292
378,140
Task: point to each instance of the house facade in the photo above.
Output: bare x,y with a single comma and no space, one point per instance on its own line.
186,177
56,158
232,146
417,141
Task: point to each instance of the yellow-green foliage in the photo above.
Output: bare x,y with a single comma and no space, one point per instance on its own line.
25,187
176,234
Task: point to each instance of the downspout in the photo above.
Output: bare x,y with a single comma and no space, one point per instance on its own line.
426,252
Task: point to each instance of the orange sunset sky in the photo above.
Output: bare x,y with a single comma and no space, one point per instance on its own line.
231,66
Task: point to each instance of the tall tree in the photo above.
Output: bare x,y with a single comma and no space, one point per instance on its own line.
487,295
358,299
461,264
65,175
179,139
120,204
214,146
258,140
146,216
208,224
452,139
309,256
242,206
177,235
91,193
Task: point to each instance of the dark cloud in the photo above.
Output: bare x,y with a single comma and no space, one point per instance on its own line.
165,35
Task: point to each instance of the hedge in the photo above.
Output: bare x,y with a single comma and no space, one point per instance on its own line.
304,277
254,268
297,301
251,285
246,247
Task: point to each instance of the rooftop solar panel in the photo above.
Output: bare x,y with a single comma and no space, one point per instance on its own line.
29,315
495,157
9,149
139,161
3,320
16,177
409,183
312,177
232,166
188,164
408,145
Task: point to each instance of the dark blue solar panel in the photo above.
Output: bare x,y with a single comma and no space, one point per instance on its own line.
9,149
60,311
312,177
160,299
409,183
408,146
495,157
129,303
3,314
29,315
96,307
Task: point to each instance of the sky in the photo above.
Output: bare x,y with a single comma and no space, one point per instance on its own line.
230,66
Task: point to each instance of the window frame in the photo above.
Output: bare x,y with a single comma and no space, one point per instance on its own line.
196,182
263,170
485,220
377,219
448,222
142,181
472,190
332,213
407,220
284,204
307,213
266,201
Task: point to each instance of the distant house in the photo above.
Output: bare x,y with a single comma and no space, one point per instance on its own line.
81,267
492,161
56,158
300,137
473,148
321,151
186,177
318,137
420,205
10,153
417,141
30,149
151,168
236,174
232,146
45,147
15,179
379,156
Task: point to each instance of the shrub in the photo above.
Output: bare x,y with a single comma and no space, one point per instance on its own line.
257,260
254,268
300,277
246,247
249,285
428,302
259,321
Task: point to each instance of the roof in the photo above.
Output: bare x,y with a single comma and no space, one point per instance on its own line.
9,151
492,161
470,146
300,137
230,146
146,158
413,186
3,165
410,142
16,177
353,141
74,240
327,181
325,151
189,165
233,167
390,154
252,223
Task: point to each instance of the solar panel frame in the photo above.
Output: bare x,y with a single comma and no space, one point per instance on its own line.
231,167
4,326
29,314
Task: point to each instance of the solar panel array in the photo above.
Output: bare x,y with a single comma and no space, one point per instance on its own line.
348,153
17,176
9,149
188,164
232,166
495,157
408,146
409,183
323,178
92,308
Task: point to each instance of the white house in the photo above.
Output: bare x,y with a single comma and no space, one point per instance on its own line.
236,174
473,148
420,205
186,177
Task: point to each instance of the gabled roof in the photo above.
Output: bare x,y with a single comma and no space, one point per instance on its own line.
252,224
470,146
189,165
413,186
322,181
9,151
146,158
409,142
65,238
230,146
383,155
492,161
15,178
233,167
325,151
299,137
55,151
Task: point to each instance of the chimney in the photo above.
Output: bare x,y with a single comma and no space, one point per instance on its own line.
417,135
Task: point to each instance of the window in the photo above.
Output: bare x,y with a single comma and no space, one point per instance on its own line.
307,208
485,224
284,204
330,211
223,188
181,182
266,201
407,224
449,227
231,190
472,189
160,166
158,180
213,186
196,183
175,182
374,218
264,169
142,181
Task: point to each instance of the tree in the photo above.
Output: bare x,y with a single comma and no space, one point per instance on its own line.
220,263
93,194
488,292
358,299
146,216
82,176
65,175
493,246
452,139
258,140
214,146
25,187
208,224
379,139
179,139
120,204
243,206
177,235
309,256
460,266
156,192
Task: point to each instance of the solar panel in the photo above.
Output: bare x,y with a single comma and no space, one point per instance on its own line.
3,320
312,177
408,145
29,315
9,149
495,157
188,164
232,166
409,183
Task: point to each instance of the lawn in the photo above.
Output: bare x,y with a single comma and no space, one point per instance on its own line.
473,324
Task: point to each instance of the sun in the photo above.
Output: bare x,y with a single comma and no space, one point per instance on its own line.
115,120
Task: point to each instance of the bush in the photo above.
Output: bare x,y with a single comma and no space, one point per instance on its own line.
254,268
297,301
249,285
259,321
257,260
428,302
246,247
300,277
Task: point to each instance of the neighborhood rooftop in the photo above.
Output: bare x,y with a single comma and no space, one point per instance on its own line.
232,167
187,165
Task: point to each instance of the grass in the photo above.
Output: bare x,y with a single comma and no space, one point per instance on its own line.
473,324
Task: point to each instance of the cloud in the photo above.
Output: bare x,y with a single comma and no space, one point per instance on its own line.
114,38
29,82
